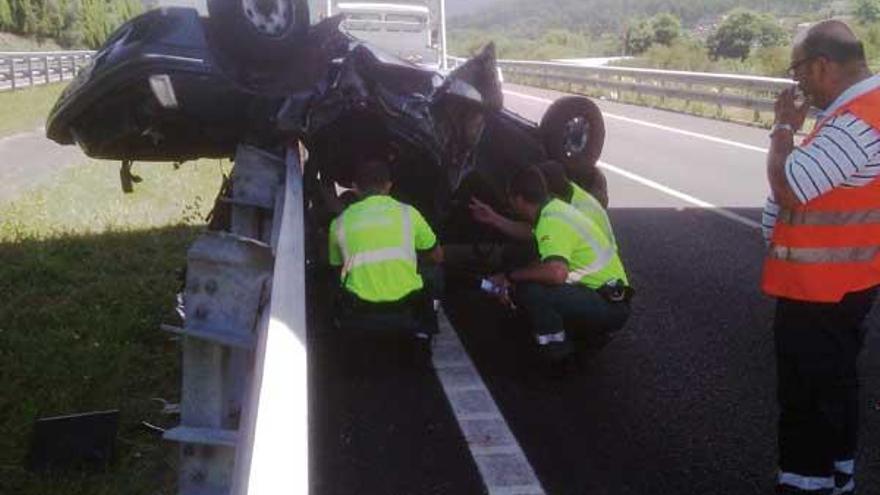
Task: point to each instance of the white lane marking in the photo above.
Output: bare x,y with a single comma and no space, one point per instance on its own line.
660,187
683,132
680,195
499,458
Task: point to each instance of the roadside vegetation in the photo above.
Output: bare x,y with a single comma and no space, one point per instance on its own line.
26,109
743,37
70,23
88,274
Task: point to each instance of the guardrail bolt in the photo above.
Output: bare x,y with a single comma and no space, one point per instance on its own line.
201,313
198,477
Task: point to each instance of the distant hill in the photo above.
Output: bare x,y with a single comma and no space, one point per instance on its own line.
458,8
533,17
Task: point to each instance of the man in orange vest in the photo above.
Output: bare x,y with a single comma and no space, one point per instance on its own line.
823,261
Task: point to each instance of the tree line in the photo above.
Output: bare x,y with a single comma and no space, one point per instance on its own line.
71,23
740,40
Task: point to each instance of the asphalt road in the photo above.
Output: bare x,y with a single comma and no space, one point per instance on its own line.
682,402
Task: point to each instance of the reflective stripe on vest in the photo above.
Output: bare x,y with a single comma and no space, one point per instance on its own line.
590,203
830,246
824,255
800,217
604,256
405,252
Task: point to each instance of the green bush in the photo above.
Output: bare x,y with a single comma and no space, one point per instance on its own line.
74,23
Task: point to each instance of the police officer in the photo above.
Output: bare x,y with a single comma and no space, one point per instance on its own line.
560,187
375,244
579,277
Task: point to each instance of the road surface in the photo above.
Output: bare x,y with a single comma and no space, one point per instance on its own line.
682,402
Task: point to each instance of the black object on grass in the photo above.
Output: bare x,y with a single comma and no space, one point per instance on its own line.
78,441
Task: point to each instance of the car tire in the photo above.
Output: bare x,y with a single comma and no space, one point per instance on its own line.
573,132
259,30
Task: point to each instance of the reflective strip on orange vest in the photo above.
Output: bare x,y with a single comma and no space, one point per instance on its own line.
809,217
824,255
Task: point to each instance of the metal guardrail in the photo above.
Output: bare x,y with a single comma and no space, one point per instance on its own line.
723,90
19,70
244,402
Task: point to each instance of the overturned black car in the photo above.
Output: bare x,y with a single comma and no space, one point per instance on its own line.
172,86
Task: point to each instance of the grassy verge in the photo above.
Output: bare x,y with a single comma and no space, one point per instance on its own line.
27,109
87,275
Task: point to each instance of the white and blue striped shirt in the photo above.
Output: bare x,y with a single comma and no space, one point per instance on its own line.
844,153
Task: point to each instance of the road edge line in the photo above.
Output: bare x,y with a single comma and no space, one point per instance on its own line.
501,462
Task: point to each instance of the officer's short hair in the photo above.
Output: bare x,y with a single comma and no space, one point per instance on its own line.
529,184
823,44
557,178
371,174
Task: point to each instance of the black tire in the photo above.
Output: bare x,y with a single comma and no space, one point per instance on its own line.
259,30
573,133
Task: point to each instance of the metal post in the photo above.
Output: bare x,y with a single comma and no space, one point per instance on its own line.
444,65
30,69
60,68
46,69
12,72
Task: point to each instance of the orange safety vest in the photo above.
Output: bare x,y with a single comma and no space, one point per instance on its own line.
830,246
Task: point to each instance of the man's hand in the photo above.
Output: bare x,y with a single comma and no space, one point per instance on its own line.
500,280
483,213
788,111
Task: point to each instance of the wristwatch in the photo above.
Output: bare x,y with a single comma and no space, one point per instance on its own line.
781,127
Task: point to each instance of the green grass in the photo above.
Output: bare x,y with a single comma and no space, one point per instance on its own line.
27,109
87,274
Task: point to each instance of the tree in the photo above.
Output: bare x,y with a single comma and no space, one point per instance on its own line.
639,37
6,23
741,31
867,11
667,28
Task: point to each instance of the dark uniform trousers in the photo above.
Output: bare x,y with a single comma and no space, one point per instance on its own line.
557,311
817,345
413,314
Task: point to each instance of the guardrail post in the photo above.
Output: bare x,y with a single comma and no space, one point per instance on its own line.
46,69
12,72
30,69
60,68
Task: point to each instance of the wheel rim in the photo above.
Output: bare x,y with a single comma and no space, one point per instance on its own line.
268,17
576,136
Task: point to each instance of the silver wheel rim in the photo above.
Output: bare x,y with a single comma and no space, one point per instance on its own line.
577,136
268,17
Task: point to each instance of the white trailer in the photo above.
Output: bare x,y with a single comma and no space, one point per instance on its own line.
412,30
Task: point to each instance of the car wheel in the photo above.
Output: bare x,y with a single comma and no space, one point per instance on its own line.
259,30
573,133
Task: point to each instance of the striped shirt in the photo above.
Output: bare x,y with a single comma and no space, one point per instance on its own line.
845,153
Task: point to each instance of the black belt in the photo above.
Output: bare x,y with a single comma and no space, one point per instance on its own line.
616,292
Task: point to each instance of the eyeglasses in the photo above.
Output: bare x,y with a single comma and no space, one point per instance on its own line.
792,69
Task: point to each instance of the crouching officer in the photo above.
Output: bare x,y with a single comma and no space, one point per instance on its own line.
375,244
579,279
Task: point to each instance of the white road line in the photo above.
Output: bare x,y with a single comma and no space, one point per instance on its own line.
680,195
660,187
683,132
499,458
